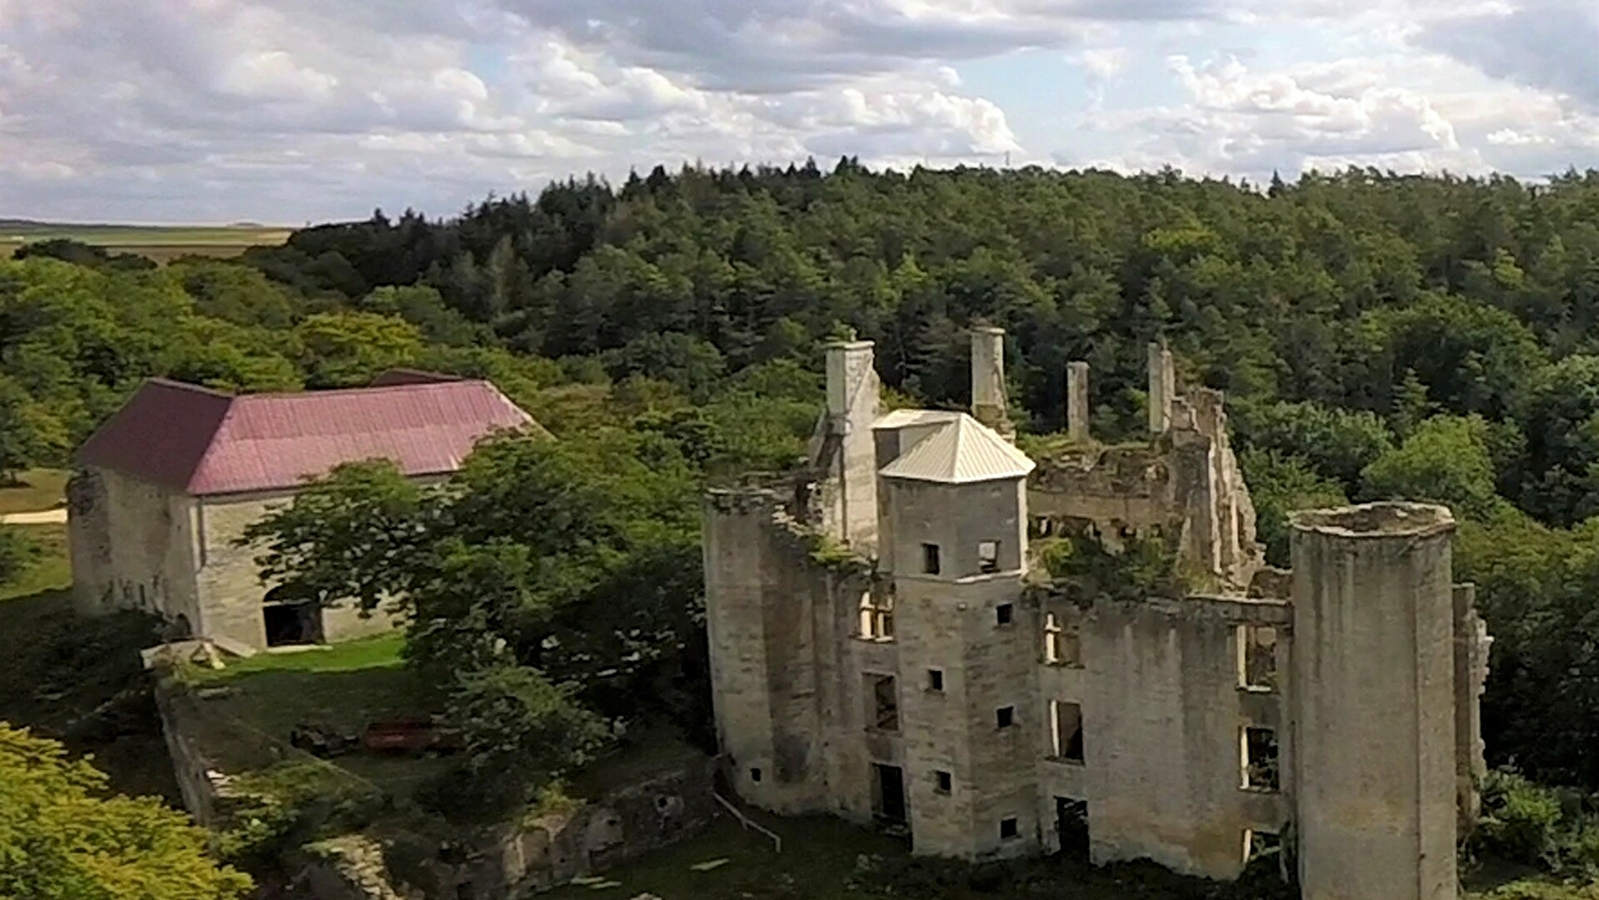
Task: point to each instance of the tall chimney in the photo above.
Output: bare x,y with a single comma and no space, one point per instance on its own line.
1162,387
1077,401
854,398
988,379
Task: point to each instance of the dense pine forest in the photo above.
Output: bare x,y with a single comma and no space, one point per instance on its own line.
1377,336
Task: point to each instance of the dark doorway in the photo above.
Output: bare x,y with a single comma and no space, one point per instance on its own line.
888,793
290,622
1071,824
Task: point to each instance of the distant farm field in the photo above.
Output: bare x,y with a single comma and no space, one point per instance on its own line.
160,243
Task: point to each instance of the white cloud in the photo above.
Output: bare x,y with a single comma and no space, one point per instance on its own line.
1103,63
296,109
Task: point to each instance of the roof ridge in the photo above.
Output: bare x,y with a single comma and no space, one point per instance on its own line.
190,386
367,389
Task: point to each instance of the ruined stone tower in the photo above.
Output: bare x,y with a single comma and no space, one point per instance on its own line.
882,651
1374,711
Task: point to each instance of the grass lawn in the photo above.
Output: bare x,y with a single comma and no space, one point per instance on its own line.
343,688
51,573
41,489
817,861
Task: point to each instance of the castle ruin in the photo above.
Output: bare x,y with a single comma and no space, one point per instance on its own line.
885,648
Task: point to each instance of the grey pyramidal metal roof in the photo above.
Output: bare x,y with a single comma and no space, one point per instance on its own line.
962,451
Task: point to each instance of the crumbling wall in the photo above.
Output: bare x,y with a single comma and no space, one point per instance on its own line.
1163,712
587,839
1183,486
770,589
1471,676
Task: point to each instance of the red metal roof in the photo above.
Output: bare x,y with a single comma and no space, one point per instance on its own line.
205,443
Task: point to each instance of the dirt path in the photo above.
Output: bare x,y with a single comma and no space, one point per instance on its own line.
47,517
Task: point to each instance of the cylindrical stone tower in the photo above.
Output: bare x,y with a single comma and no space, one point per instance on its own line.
1373,742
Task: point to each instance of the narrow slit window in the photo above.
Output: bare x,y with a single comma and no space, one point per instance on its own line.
1004,716
1004,614
944,782
1066,731
1257,657
1259,746
930,561
885,702
988,557
935,679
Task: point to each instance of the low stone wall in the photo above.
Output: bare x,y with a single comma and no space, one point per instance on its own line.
516,860
552,850
188,764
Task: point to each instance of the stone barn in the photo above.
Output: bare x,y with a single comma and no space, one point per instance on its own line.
162,491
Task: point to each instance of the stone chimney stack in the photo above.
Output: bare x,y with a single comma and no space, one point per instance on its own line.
988,379
1077,401
1162,387
854,400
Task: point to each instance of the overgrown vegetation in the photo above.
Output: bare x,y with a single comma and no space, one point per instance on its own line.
1552,829
1089,570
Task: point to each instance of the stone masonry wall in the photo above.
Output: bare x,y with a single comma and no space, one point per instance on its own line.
229,582
1163,718
135,544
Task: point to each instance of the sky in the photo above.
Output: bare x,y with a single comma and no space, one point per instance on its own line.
290,111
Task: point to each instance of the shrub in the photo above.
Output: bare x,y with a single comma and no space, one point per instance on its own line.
1525,822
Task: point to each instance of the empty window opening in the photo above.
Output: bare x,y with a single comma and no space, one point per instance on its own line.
1008,828
755,775
1042,527
1260,843
888,793
1005,715
1259,747
1071,827
877,617
930,563
988,557
1127,532
1005,613
1257,657
885,702
1062,646
1066,731
943,782
935,679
